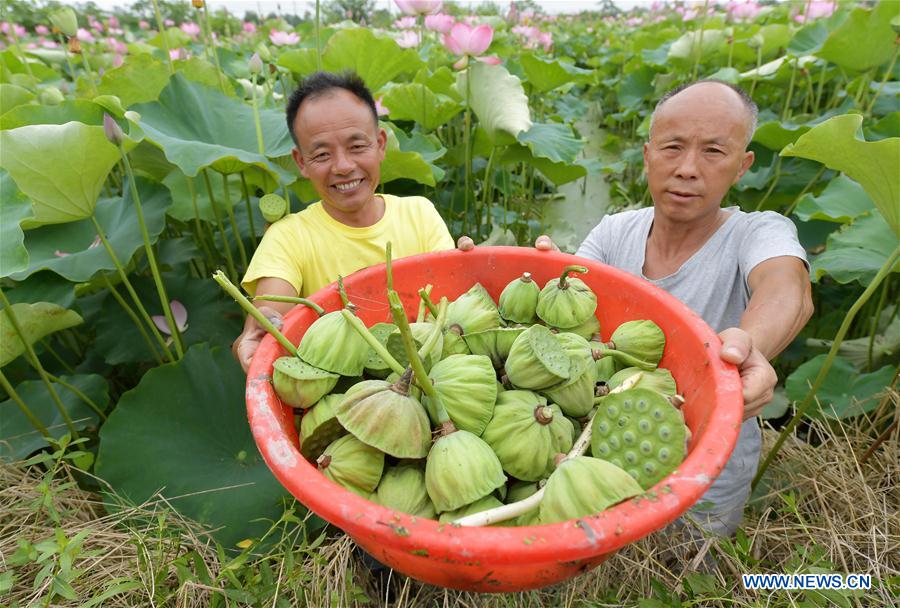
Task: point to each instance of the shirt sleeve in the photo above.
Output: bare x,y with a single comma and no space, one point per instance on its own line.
276,257
769,235
594,245
434,231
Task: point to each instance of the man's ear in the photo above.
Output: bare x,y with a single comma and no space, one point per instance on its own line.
746,163
646,153
382,142
298,159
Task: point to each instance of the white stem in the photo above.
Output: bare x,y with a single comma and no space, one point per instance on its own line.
506,512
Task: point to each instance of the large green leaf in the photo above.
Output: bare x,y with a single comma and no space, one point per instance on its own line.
378,60
693,45
553,141
197,127
547,74
864,40
14,207
842,201
637,88
776,134
11,64
557,172
73,250
498,99
36,321
139,79
845,392
183,202
405,164
418,103
70,110
19,439
13,95
856,252
837,143
183,432
302,62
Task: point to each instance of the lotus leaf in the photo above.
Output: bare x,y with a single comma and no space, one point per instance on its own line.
35,321
862,39
845,393
842,200
857,251
418,103
377,60
498,99
14,207
548,74
552,141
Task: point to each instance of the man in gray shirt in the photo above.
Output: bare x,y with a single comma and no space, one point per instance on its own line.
745,274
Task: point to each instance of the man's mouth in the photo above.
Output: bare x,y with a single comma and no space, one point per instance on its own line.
347,186
683,195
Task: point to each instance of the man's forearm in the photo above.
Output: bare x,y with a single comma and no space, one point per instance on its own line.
779,307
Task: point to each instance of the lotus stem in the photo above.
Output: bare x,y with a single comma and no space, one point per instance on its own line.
229,209
388,266
246,192
563,283
292,300
215,207
215,52
506,512
345,301
318,44
440,319
164,35
229,287
425,303
467,146
200,228
372,341
887,74
78,393
35,422
87,68
65,48
874,327
134,318
609,350
259,134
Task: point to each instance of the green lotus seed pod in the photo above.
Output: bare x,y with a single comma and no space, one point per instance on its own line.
482,504
566,302
273,207
586,330
51,96
420,332
299,384
474,311
537,360
518,301
460,469
64,20
659,380
454,344
352,464
641,432
606,369
468,389
332,344
493,343
319,427
375,365
583,486
402,488
637,343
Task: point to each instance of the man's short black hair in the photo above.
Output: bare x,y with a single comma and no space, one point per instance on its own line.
320,83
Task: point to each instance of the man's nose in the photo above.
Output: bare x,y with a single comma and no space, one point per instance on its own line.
343,163
687,164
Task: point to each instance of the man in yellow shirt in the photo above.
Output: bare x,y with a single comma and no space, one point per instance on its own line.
339,148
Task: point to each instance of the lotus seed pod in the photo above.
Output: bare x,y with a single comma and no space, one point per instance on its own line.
402,488
518,301
659,380
460,469
537,360
375,365
587,329
482,504
641,432
493,343
420,332
566,302
299,384
468,389
454,344
583,486
319,427
332,344
414,391
474,311
273,207
351,463
575,396
606,369
638,343
385,416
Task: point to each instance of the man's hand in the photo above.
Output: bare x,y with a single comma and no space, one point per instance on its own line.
465,243
757,375
543,243
246,344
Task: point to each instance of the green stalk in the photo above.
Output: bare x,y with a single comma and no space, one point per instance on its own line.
826,366
388,266
568,270
45,342
696,71
246,192
87,68
32,358
425,303
806,189
130,289
259,134
134,318
229,208
318,44
20,54
864,80
486,194
199,232
345,301
65,47
164,35
756,76
874,327
215,207
774,183
215,52
35,422
884,80
467,144
820,88
292,300
78,393
151,257
372,341
229,287
785,112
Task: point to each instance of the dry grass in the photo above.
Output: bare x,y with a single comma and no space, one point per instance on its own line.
822,508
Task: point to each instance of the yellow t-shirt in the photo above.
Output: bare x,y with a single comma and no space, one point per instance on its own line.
310,249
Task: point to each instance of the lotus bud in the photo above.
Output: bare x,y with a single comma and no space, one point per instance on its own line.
582,486
482,504
493,343
65,21
756,41
273,207
518,301
112,130
331,343
468,389
263,51
352,464
536,360
454,344
637,343
51,96
606,369
659,380
402,488
639,431
375,365
474,311
460,469
566,302
255,65
319,427
299,384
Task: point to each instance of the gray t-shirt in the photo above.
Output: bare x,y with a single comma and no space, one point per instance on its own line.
713,283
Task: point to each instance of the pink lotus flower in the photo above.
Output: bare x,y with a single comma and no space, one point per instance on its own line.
95,25
419,7
112,22
42,30
441,22
117,46
168,23
408,39
380,109
816,10
282,38
191,29
48,44
405,23
84,35
690,14
179,315
743,10
95,243
249,27
175,54
19,30
466,40
633,21
143,25
118,60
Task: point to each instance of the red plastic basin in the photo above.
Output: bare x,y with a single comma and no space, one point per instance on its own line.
495,559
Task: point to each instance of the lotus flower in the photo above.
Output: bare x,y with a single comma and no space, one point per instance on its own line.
85,36
816,10
419,7
117,46
744,10
440,22
179,314
405,23
143,25
117,61
380,109
249,27
191,29
408,39
177,54
279,38
42,30
466,40
112,22
168,23
95,25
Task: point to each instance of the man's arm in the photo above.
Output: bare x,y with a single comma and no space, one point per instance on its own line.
245,345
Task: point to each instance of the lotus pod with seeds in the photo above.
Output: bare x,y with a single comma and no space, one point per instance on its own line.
518,301
273,207
638,344
586,330
460,469
537,360
659,380
493,343
583,486
575,396
351,463
566,302
319,427
606,369
524,433
332,344
420,332
482,504
299,384
454,344
468,389
385,416
402,488
375,365
474,311
641,432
